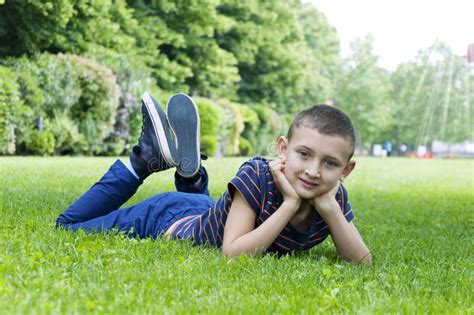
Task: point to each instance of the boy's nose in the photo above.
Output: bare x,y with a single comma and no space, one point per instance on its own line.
312,171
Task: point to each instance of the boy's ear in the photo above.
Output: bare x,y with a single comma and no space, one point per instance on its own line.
348,169
282,145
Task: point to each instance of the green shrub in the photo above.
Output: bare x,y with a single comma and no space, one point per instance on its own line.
271,126
211,119
97,105
245,147
134,78
58,78
68,138
10,110
32,96
209,145
40,142
72,92
231,127
251,128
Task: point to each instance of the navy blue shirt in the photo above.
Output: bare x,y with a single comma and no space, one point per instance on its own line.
256,184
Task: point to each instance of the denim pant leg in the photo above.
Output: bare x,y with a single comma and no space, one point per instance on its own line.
108,194
148,218
185,185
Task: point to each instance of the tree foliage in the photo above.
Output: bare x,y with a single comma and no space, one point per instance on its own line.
433,98
83,66
363,92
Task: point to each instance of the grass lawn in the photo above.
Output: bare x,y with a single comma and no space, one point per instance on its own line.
415,216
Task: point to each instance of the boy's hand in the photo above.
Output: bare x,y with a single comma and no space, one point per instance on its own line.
326,202
277,168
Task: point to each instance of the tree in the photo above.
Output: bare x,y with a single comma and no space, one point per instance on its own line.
363,92
433,98
276,45
64,26
183,32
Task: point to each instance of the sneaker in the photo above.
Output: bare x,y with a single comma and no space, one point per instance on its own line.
155,149
184,121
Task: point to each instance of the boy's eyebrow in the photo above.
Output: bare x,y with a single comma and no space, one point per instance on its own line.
309,149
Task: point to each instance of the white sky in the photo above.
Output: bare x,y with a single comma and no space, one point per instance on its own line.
401,27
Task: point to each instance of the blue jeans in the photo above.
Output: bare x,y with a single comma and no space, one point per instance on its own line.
98,209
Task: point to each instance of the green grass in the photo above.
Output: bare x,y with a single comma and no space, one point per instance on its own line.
415,216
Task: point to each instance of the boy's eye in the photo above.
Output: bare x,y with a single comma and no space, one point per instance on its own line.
331,163
303,154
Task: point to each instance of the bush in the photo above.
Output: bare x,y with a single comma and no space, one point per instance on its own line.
134,78
32,96
97,105
251,128
40,142
10,109
209,145
231,127
272,125
245,147
71,92
211,118
68,138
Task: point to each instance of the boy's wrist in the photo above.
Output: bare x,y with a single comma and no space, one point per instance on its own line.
292,203
328,209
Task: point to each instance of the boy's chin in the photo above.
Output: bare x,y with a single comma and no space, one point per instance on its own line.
308,195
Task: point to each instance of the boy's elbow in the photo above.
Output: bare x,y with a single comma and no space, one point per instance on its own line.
227,252
366,260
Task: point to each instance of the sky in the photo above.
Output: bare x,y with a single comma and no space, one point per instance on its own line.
401,27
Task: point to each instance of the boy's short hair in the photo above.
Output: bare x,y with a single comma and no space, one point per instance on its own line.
326,120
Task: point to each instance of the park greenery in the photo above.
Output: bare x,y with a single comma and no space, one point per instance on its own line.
250,65
415,216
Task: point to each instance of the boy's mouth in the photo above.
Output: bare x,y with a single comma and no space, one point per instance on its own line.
308,184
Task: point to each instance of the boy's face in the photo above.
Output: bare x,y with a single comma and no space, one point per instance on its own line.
315,162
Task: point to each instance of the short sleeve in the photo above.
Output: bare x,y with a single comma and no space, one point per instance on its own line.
343,200
247,182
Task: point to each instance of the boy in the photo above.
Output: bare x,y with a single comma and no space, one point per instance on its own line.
288,204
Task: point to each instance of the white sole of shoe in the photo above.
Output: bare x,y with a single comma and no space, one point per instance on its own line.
159,129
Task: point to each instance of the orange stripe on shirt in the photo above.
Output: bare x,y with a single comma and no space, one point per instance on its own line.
245,185
212,231
291,240
222,223
189,225
200,225
205,234
282,246
183,224
215,219
256,186
317,232
317,239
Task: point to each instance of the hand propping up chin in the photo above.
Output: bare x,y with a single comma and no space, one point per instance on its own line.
326,203
277,168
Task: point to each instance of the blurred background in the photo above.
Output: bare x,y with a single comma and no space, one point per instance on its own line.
72,72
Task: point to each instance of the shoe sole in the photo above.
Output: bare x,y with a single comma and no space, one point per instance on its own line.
185,123
161,127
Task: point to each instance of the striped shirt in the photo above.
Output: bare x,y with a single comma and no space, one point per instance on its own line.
256,184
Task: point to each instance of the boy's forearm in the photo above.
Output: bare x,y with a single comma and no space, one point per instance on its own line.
348,242
262,237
